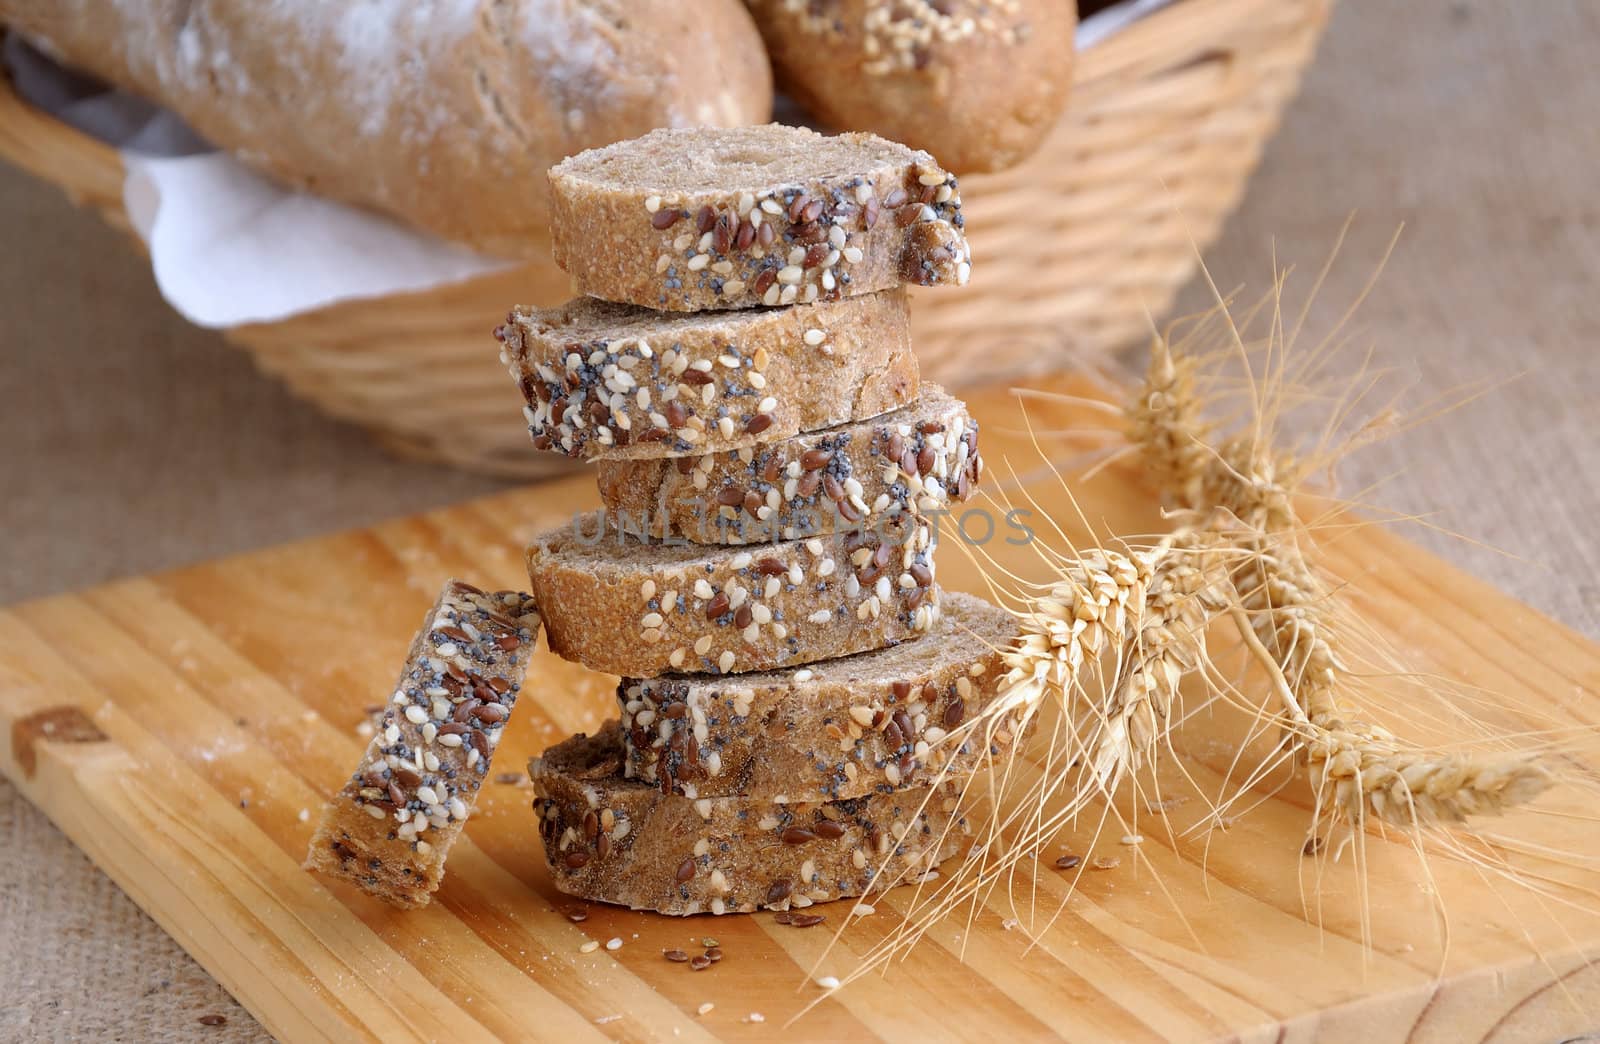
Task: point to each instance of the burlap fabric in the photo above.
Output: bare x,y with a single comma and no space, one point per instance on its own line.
133,442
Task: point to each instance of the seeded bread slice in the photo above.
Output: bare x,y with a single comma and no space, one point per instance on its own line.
614,840
390,828
637,609
613,380
686,220
841,729
915,460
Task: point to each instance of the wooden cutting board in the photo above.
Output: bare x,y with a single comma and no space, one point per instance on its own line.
183,729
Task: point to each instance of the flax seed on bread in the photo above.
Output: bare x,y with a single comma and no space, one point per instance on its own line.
639,609
844,728
614,840
707,218
389,829
916,460
618,381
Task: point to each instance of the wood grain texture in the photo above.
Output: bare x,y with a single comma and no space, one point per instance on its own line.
215,703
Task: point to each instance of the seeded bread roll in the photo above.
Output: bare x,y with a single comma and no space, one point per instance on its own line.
690,220
978,83
637,609
915,460
445,115
841,729
390,828
617,381
613,840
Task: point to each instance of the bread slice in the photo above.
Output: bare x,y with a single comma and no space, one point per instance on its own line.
620,841
614,380
618,605
390,828
841,729
686,220
916,460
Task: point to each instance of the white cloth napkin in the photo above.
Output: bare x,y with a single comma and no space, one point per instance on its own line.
229,246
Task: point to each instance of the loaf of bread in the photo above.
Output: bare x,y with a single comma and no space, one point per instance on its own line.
840,729
445,115
978,83
626,607
916,460
618,381
707,218
390,828
621,841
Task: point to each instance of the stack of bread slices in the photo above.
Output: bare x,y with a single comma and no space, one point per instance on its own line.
761,575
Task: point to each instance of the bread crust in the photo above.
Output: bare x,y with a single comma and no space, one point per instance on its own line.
916,460
444,115
618,382
977,83
433,741
848,728
796,232
640,610
612,840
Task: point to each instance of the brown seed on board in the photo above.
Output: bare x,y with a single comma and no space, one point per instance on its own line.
675,956
778,891
717,606
714,954
685,870
664,219
806,920
700,962
705,219
1067,862
577,859
213,1020
798,836
813,459
759,423
576,914
827,828
954,713
782,917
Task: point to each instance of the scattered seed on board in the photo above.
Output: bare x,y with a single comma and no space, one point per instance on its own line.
755,1016
828,982
675,956
1105,863
705,1009
700,962
614,943
589,947
1313,845
508,777
1133,839
576,914
1067,862
213,1020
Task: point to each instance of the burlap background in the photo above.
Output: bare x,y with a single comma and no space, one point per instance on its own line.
133,442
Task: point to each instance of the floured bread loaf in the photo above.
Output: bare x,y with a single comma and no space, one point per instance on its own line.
689,220
618,605
841,729
444,114
618,381
614,840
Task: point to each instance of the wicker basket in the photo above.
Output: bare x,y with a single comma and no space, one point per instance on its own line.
1075,249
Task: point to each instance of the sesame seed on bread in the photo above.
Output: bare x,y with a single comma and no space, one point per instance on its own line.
389,829
706,218
916,460
840,729
978,83
618,381
639,609
614,840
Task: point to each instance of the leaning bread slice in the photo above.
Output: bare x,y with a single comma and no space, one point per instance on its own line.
390,828
841,729
615,840
916,460
686,220
623,606
604,379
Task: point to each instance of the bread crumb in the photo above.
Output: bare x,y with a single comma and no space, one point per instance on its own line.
305,814
602,1020
755,1016
1133,839
365,730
